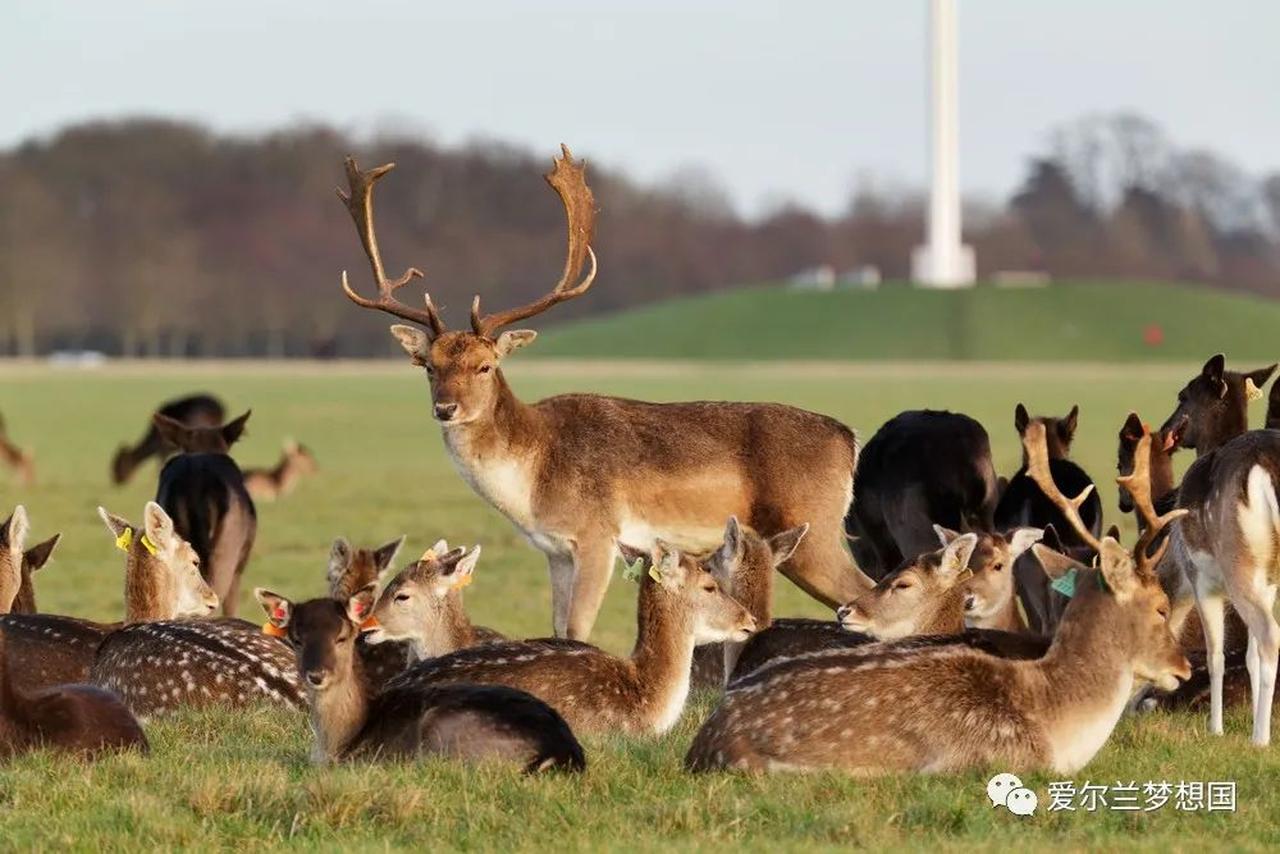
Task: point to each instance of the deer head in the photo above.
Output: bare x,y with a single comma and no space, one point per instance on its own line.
424,599
299,458
990,586
351,569
1058,431
686,590
744,564
200,440
17,562
1213,406
1163,445
463,367
162,571
921,595
322,633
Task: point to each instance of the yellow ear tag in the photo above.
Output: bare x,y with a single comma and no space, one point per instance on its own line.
125,539
148,545
655,574
464,581
270,628
1251,391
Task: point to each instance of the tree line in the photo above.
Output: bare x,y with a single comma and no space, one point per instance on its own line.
151,237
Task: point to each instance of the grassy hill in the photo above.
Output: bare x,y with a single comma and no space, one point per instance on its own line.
1097,321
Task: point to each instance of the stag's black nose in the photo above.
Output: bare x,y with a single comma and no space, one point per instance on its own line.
446,411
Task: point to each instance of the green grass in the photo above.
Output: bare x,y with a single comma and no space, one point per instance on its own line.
1065,322
227,780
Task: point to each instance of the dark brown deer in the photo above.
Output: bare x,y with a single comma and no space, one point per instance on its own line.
578,473
467,722
203,491
1213,407
680,605
1024,505
1164,444
22,462
268,484
157,663
950,709
422,606
17,563
1273,408
351,570
79,719
197,410
921,468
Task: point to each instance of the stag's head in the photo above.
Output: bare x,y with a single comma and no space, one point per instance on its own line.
463,367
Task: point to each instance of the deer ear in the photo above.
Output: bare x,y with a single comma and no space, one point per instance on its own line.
1054,563
514,339
1132,429
667,569
1023,539
158,525
729,554
1214,367
15,529
784,545
339,560
946,536
630,555
172,431
360,605
278,608
1021,418
385,554
1114,532
117,525
413,340
955,556
1068,424
1117,568
233,430
460,569
39,554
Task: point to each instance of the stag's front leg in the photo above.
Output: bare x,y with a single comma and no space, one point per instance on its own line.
594,560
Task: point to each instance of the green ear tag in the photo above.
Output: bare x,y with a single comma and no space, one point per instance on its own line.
1066,583
631,571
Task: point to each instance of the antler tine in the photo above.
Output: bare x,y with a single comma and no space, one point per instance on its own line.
359,202
1033,439
1138,482
568,178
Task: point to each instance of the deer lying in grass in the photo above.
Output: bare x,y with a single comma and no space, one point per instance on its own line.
922,467
422,606
197,410
469,722
990,595
22,462
203,491
157,663
74,718
950,709
268,484
17,563
680,606
578,473
351,570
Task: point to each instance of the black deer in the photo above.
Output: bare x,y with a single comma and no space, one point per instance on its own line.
196,410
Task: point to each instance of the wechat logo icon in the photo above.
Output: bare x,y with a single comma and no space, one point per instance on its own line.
1006,790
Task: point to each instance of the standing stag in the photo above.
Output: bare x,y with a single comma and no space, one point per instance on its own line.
196,410
577,473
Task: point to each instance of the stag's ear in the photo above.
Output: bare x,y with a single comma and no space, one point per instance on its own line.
414,341
946,536
233,430
1067,427
1021,418
278,608
1023,539
172,431
1132,430
1213,368
1117,568
514,339
955,557
1114,532
39,554
784,545
1054,563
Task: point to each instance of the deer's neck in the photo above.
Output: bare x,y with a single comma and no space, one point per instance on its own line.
753,585
148,593
1161,468
662,657
1230,421
338,713
446,632
510,428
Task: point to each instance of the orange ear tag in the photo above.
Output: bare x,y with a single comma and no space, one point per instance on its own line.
464,581
370,624
270,628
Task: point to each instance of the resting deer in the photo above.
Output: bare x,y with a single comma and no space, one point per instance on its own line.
349,720
422,606
578,473
203,491
22,462
1213,407
74,718
268,484
950,709
157,663
680,606
351,570
197,410
990,597
17,562
921,468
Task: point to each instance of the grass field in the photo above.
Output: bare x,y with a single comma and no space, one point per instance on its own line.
240,781
1085,321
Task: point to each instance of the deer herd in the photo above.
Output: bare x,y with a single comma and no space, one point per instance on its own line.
976,620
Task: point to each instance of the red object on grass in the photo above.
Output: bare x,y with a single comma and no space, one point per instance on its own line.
1153,335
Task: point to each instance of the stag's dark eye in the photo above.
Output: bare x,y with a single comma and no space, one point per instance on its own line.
484,369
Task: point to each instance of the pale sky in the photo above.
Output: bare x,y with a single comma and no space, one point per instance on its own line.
776,100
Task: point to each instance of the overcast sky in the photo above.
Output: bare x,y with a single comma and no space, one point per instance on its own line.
777,100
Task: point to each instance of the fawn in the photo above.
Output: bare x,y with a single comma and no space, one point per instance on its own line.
74,718
990,598
947,709
577,473
268,484
422,606
351,570
157,663
17,562
680,605
197,410
203,491
349,720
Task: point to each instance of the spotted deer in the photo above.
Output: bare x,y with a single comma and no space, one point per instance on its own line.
22,462
17,563
679,606
422,606
578,473
350,720
157,661
949,709
350,570
203,491
268,484
196,410
79,719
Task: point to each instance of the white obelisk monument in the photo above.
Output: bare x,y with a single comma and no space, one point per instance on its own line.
943,262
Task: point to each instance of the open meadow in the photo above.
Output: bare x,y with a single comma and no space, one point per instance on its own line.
242,781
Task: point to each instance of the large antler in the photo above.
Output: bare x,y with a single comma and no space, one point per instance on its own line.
1138,482
568,178
359,202
1033,440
